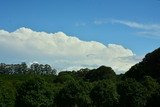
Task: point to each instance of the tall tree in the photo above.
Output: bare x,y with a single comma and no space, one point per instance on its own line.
3,68
35,68
47,69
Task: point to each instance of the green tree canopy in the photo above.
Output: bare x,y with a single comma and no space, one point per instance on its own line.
104,94
7,94
74,94
153,91
132,94
65,77
100,73
35,92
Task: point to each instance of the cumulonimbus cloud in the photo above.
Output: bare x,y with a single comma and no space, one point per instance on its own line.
62,51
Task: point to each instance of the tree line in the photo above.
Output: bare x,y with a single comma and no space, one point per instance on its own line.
22,68
39,86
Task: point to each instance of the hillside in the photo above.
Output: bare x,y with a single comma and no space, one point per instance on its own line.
149,66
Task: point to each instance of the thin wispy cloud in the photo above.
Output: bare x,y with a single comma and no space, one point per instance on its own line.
102,21
144,29
148,30
138,25
99,22
78,24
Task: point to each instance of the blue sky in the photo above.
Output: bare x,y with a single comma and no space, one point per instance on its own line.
77,17
134,24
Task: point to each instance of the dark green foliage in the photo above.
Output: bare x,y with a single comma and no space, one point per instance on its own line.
100,73
154,100
74,94
68,95
35,93
151,84
66,89
82,73
36,68
7,94
65,77
132,94
84,99
104,94
150,66
153,91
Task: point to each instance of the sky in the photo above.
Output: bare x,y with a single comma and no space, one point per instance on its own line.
84,33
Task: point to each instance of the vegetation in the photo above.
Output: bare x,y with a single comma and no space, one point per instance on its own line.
39,86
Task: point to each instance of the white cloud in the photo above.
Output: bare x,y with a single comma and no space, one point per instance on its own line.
62,51
138,25
147,30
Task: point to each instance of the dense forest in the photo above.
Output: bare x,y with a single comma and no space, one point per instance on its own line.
39,85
